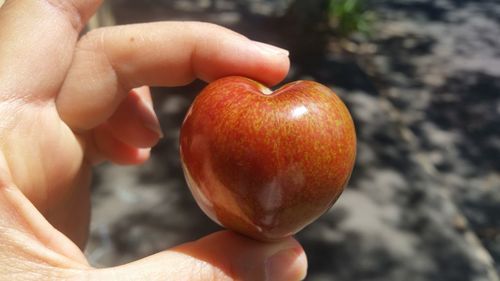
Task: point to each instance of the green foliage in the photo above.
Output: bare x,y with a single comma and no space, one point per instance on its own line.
350,16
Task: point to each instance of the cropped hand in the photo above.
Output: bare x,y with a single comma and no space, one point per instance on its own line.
68,103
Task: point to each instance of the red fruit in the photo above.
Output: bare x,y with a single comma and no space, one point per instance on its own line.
267,164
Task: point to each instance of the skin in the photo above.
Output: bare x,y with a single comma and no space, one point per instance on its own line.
267,164
68,103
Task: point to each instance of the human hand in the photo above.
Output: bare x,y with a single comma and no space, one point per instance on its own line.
67,103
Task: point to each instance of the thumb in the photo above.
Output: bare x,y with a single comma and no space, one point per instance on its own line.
220,256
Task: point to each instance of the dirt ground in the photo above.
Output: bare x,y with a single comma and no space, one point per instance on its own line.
424,90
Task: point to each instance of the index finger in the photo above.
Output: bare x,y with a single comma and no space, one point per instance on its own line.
111,61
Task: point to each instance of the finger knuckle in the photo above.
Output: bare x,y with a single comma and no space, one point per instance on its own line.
69,10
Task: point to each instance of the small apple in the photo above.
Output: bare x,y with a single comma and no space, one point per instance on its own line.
263,163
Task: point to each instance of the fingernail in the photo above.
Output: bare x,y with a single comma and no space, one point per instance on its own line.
270,49
148,118
289,264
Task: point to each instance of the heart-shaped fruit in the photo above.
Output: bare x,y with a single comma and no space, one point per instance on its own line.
263,163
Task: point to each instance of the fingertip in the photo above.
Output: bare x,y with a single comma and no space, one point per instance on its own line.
134,156
243,258
142,155
135,122
274,63
110,148
145,93
237,55
287,264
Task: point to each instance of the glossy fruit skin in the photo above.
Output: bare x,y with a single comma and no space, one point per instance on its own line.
267,165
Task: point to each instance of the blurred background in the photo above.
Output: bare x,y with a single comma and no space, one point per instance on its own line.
422,80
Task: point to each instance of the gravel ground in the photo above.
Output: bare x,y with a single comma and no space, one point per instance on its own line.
424,200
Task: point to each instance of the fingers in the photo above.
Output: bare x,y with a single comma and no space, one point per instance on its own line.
111,61
38,38
107,146
220,256
127,136
135,122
